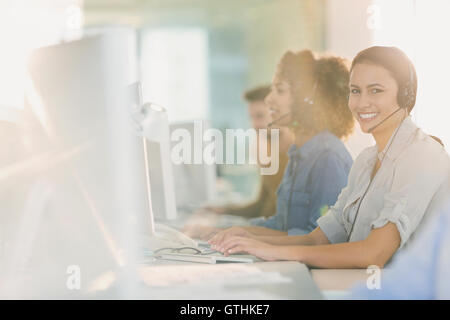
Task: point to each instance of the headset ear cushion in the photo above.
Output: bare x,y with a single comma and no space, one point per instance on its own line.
407,100
405,97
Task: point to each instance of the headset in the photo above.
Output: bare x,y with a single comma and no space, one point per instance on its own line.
309,101
306,101
406,98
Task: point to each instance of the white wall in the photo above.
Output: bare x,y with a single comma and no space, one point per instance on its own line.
423,34
174,71
348,24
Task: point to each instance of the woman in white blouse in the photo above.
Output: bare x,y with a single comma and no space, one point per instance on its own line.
391,187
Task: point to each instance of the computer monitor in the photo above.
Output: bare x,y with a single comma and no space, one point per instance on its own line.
87,194
152,123
195,183
159,164
137,123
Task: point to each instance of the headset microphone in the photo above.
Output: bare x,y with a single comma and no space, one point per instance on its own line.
378,124
279,119
306,101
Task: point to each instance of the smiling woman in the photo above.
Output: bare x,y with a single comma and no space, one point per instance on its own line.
392,186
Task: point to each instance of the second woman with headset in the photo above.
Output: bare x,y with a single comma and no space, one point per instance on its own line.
309,96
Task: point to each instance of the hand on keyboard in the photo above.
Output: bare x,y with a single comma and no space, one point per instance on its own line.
219,239
259,249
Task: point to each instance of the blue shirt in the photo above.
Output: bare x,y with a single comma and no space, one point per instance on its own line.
422,271
315,174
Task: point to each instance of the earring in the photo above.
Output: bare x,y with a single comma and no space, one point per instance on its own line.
308,101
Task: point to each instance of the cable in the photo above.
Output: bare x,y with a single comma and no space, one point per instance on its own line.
373,178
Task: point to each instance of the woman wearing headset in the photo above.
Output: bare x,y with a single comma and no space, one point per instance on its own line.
308,95
391,185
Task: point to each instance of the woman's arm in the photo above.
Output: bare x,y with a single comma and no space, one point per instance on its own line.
263,231
270,236
315,237
247,232
376,249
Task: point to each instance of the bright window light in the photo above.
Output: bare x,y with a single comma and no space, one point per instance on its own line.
174,71
420,28
24,26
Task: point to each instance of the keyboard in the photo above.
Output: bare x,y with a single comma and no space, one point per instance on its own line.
203,258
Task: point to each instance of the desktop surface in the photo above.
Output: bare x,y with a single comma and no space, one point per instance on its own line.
175,280
340,279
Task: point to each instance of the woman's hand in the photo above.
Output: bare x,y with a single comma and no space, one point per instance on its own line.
253,247
216,210
219,239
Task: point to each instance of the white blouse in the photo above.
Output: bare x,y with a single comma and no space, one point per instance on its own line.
412,180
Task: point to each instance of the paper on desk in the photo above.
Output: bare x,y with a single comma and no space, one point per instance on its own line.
229,274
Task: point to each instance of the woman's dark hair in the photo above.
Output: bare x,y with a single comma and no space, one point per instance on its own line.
256,94
438,140
323,80
399,66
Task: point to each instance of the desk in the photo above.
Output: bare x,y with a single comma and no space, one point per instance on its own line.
302,284
336,283
338,279
333,283
299,284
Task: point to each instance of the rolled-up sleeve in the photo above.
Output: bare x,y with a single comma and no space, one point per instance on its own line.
416,180
332,227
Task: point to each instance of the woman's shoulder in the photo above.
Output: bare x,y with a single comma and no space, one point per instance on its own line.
333,159
335,148
422,140
423,150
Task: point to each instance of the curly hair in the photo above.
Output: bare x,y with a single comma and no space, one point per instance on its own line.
324,80
256,94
